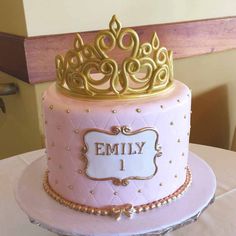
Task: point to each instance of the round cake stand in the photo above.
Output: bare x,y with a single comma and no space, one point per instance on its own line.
49,214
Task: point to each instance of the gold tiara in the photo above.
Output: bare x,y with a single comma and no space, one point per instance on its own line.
90,71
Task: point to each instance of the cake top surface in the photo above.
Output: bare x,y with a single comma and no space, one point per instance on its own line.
91,71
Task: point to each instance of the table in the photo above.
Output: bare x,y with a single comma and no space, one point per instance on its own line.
219,219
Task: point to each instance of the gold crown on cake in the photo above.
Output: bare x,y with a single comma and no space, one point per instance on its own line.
89,70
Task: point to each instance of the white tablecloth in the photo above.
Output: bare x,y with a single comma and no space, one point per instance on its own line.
218,220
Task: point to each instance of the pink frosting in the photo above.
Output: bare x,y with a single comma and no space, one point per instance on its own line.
67,119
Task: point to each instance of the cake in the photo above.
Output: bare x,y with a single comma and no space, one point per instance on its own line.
117,133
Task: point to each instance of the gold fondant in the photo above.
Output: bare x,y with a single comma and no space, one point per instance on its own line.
146,69
117,211
76,131
122,163
70,187
112,149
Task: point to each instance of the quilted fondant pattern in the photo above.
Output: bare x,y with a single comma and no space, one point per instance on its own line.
66,120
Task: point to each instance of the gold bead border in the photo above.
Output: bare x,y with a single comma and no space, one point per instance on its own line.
117,211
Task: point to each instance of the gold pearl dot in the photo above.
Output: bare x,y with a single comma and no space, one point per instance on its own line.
51,107
139,191
76,131
170,161
67,111
70,187
138,110
171,123
114,111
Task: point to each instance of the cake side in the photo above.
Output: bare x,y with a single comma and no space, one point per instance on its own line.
68,119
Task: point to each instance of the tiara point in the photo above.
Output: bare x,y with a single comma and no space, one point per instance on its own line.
115,25
146,68
155,41
78,42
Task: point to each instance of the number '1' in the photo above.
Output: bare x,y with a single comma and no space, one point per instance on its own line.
122,165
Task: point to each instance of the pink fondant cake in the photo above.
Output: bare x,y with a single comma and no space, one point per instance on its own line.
113,153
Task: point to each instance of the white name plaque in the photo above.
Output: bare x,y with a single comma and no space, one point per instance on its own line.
121,155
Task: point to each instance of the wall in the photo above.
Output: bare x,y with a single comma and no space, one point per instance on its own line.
19,127
80,15
212,79
42,17
12,17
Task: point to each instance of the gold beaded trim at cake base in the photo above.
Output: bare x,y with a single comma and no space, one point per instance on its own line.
145,70
117,211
